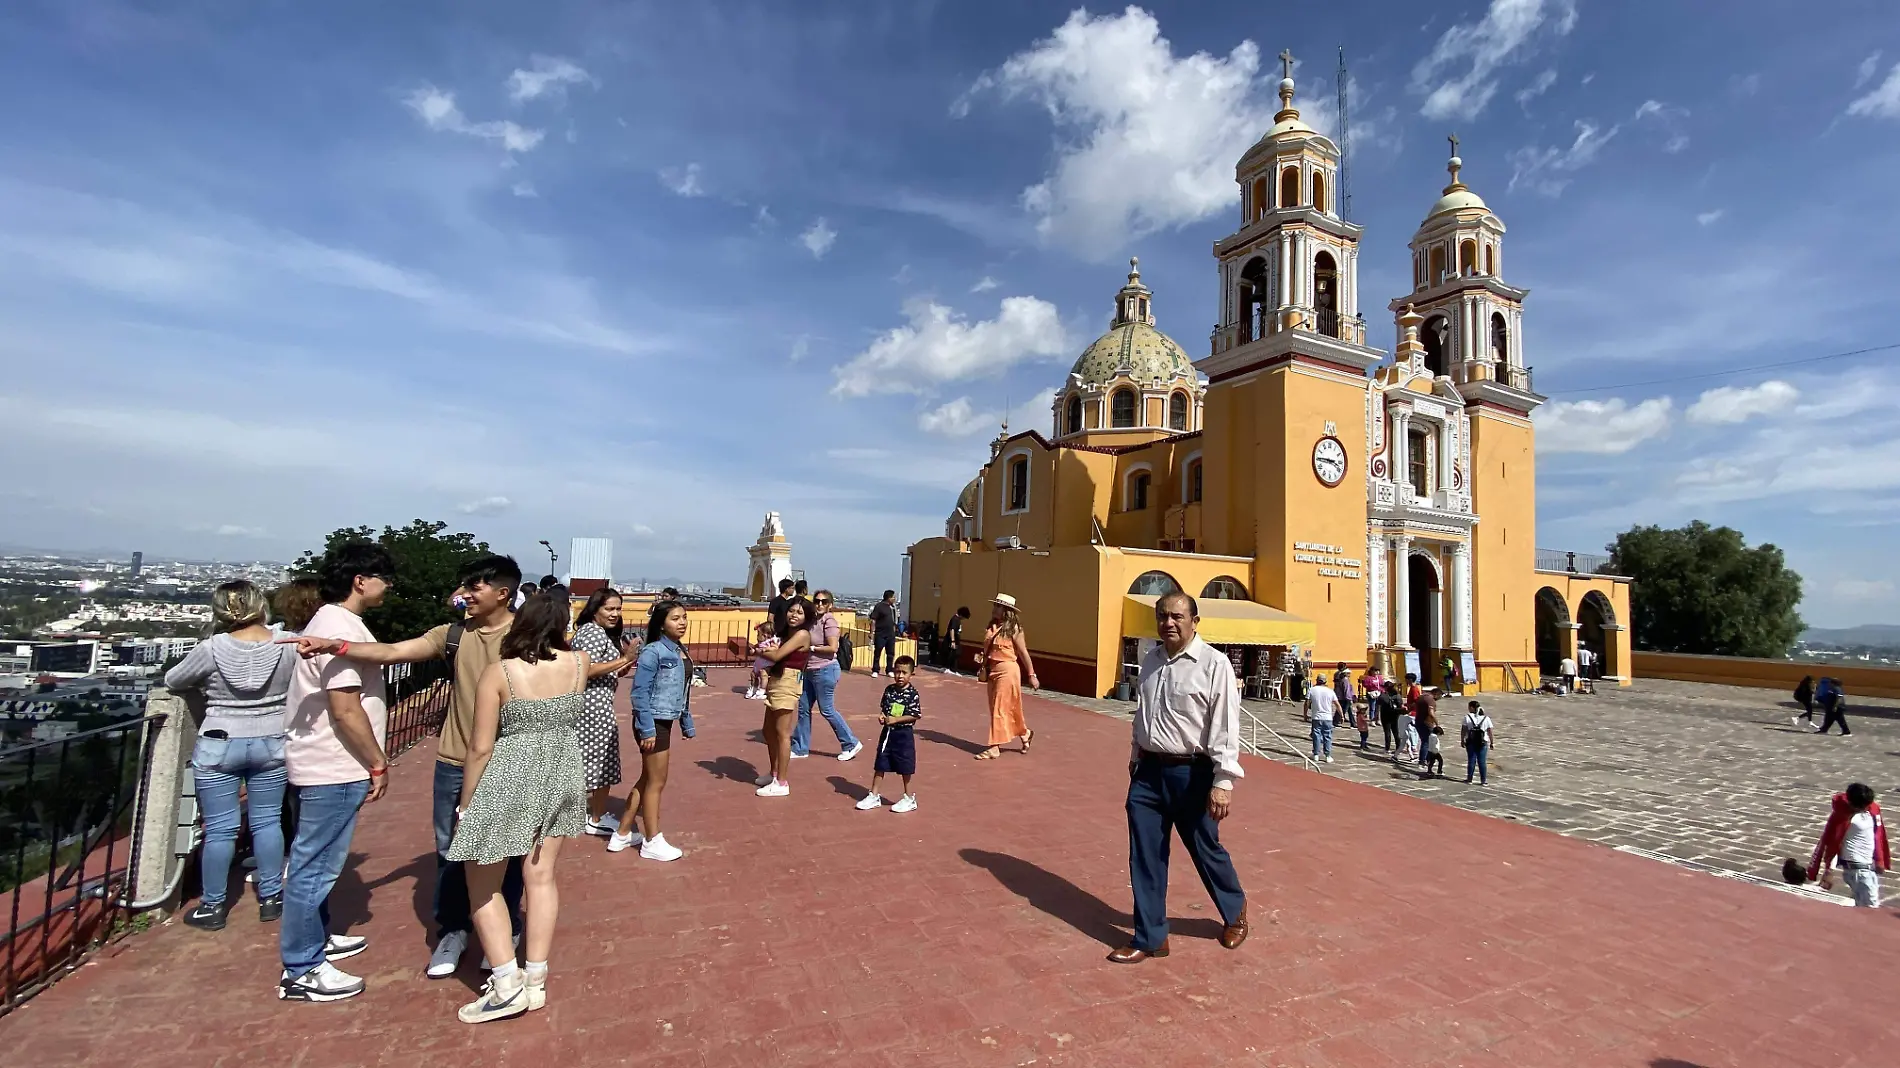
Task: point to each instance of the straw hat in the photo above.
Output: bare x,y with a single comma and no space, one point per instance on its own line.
1005,600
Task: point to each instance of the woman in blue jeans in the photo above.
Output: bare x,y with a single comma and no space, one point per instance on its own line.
821,684
244,675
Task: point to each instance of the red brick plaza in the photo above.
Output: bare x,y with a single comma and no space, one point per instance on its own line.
799,931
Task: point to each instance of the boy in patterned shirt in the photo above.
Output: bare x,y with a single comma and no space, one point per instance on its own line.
897,744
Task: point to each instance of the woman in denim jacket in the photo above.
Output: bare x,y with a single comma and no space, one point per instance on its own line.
244,675
662,693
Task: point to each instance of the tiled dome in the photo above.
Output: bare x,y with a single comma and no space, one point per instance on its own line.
1147,353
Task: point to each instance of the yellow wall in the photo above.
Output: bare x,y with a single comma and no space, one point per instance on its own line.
1503,484
1228,462
1767,674
1054,590
1573,588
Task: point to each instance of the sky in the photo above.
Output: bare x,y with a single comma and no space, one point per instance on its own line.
648,270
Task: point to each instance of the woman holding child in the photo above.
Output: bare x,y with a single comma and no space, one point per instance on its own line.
784,684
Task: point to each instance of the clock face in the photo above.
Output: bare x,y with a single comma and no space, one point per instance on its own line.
1329,461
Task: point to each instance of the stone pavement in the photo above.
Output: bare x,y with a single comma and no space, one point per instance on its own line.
1715,776
1388,930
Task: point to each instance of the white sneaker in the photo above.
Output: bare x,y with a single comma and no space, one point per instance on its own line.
658,848
1329,758
774,789
851,752
800,756
537,989
603,827
448,954
907,803
325,982
763,780
870,802
874,674
341,946
617,842
488,967
499,1000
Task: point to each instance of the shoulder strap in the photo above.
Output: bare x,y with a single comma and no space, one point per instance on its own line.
452,644
508,680
580,677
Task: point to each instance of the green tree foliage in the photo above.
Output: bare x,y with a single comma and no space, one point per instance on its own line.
427,560
1701,589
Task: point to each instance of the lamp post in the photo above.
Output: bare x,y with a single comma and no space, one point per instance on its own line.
552,556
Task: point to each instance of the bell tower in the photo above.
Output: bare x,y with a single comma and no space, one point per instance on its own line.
1287,385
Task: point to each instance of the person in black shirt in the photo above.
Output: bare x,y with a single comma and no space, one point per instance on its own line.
884,634
777,605
952,637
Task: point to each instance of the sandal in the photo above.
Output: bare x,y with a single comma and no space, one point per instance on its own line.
987,754
1027,738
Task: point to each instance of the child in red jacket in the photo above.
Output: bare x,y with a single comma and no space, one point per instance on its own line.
1855,836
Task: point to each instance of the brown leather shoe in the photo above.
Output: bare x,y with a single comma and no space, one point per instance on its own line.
1232,935
1135,954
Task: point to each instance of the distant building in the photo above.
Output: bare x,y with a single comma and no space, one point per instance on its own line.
768,560
69,660
138,565
590,565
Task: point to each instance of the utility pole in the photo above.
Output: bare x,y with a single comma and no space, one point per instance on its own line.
552,556
1345,142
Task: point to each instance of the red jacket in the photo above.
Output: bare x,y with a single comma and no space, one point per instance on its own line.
1836,832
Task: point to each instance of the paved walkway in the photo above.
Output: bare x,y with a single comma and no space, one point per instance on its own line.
1388,931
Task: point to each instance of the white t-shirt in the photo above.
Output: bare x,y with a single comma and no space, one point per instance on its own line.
1479,724
1857,847
1568,667
1585,657
313,753
1321,703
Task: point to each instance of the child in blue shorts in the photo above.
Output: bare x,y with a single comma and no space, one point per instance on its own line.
897,742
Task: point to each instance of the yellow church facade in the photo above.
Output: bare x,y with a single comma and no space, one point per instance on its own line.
1324,503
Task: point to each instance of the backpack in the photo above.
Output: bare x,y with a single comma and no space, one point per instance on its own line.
1474,733
845,651
453,645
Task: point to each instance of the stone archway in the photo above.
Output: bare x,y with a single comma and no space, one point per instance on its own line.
1553,618
1596,620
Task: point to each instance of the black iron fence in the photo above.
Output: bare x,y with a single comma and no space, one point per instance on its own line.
418,702
68,853
1574,563
712,640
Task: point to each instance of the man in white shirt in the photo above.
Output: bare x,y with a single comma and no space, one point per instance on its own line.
1568,669
1322,706
1181,770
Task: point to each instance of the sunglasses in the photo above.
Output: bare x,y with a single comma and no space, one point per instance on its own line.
824,600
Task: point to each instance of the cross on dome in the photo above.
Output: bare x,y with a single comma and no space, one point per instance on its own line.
1286,63
1454,164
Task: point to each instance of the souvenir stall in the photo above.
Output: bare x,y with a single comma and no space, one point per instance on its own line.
1266,646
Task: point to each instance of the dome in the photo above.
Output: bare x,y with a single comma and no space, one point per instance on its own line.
966,501
1458,196
1149,355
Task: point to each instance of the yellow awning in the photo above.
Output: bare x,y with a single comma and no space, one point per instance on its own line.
1225,623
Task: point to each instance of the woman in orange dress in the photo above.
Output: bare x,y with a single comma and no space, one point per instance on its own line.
1005,663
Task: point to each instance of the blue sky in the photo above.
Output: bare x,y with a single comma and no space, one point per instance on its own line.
647,270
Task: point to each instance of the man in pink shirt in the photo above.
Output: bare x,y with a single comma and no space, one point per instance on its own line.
337,721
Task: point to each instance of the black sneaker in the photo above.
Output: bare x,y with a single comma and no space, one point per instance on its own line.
207,917
270,909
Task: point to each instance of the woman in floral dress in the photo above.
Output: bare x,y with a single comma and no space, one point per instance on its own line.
611,653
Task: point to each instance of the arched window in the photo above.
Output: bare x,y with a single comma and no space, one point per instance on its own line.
1500,340
1490,259
1178,411
1436,273
1319,191
1418,271
1436,337
1194,482
1468,257
1253,300
1154,584
956,532
1018,483
1138,484
1326,293
1072,416
1224,588
1259,198
1418,454
1290,187
1122,408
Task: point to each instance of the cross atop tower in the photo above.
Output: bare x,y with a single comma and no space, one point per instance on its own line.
1453,138
1454,164
1286,63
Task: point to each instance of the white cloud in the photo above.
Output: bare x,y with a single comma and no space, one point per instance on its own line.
1744,85
1549,170
1603,427
523,189
232,530
1670,117
1457,78
955,420
1538,86
436,108
1868,68
1150,138
801,347
764,220
485,506
1863,589
1735,404
1883,102
939,345
684,181
818,238
1708,218
548,74
985,284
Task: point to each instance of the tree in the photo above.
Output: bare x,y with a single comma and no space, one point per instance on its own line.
1701,589
426,564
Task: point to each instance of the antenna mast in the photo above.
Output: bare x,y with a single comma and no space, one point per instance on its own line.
1345,143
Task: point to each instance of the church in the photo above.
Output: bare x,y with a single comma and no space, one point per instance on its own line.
1323,503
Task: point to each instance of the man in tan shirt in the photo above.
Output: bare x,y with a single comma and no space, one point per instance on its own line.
487,585
1181,771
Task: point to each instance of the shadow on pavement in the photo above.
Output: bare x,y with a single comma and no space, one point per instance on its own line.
1055,896
950,740
730,767
848,788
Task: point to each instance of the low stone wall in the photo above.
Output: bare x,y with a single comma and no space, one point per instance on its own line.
1780,675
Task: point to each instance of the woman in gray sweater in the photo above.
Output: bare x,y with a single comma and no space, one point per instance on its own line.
244,675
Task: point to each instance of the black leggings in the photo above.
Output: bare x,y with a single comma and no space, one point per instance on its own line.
1836,713
1390,725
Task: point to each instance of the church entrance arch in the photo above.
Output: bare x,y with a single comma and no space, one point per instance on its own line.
1423,612
1593,614
1553,616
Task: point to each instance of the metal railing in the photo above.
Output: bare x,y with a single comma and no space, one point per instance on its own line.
1251,729
67,848
1574,563
718,641
418,696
